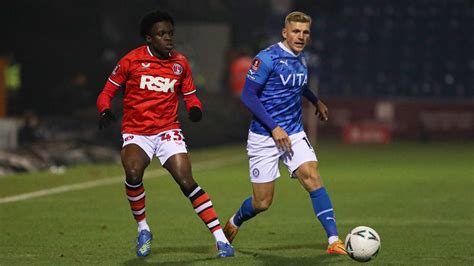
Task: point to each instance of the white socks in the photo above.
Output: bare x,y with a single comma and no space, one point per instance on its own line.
219,235
142,225
332,239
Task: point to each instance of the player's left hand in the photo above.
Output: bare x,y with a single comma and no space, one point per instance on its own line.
321,111
195,114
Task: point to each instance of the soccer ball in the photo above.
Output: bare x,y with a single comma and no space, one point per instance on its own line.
362,243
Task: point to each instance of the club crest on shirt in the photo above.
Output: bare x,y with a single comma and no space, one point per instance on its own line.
177,69
115,69
256,64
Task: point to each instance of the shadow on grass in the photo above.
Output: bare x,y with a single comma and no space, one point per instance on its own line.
270,255
276,255
189,255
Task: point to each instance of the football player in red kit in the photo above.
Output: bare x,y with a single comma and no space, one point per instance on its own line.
152,77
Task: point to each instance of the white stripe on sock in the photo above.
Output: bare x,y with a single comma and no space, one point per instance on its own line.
140,212
135,186
137,198
203,206
323,212
212,224
194,192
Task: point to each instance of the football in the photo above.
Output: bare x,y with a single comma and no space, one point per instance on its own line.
363,244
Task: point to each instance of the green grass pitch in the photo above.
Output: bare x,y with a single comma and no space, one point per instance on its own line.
417,196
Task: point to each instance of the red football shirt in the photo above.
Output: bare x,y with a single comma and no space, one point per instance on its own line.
151,87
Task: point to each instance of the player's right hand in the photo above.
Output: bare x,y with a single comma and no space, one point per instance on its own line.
282,140
106,118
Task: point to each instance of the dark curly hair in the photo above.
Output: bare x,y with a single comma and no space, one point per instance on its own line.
151,18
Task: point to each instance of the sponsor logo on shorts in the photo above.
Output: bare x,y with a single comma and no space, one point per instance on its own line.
255,172
128,138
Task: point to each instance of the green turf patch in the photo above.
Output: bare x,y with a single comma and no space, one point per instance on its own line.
417,196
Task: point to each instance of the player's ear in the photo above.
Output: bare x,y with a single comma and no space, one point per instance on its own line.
284,33
148,39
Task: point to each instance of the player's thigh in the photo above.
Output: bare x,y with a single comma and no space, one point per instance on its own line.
179,167
302,152
263,158
169,143
132,141
134,160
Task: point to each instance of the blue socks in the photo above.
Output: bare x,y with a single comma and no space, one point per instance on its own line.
245,212
323,209
321,205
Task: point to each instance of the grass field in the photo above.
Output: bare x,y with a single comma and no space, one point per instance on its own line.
419,198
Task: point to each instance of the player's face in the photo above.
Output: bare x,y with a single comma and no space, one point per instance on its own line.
297,36
161,37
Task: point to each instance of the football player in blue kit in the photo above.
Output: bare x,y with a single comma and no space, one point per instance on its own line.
275,84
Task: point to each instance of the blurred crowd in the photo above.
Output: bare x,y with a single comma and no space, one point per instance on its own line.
373,49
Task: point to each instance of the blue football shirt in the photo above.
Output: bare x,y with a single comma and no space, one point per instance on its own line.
283,75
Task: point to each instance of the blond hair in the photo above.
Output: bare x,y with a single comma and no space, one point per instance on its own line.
297,16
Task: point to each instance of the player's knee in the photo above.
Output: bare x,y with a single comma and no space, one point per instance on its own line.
262,205
311,181
187,186
134,175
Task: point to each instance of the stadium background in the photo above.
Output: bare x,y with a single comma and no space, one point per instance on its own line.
406,65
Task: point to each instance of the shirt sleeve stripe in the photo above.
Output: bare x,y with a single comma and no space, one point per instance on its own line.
115,83
191,92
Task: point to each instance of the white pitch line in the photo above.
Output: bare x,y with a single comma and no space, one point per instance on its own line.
112,180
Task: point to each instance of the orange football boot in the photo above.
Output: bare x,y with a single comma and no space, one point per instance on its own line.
337,247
